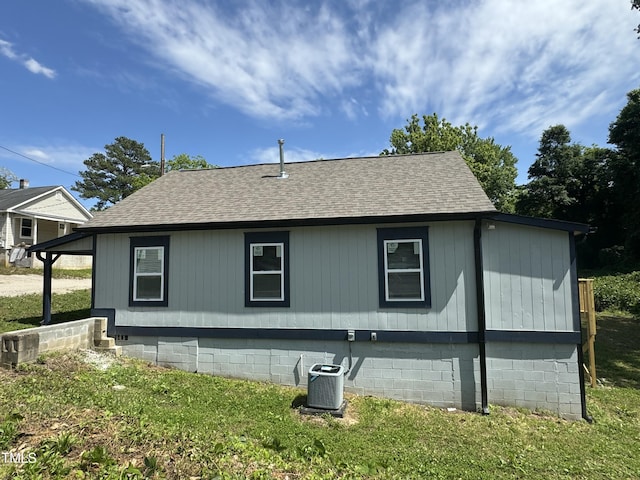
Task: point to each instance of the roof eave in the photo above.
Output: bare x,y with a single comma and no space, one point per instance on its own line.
52,245
575,227
297,222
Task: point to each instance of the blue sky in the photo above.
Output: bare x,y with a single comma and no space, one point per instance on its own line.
226,79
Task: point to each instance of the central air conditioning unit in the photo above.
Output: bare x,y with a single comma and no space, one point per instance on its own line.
325,386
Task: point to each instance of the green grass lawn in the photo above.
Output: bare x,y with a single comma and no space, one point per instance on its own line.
133,420
25,311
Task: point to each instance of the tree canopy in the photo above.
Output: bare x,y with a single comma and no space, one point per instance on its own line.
593,185
187,162
554,188
7,177
568,181
624,133
125,167
492,164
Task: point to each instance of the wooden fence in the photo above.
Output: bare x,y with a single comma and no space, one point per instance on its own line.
588,316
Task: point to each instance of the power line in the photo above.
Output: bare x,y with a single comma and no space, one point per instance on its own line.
39,162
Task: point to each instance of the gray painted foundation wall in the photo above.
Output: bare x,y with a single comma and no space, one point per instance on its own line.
536,376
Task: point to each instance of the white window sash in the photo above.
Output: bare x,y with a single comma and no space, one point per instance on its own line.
388,270
253,273
137,274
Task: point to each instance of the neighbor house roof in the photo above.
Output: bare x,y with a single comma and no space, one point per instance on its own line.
316,192
11,198
27,201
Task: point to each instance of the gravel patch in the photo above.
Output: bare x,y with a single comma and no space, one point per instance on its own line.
16,285
100,361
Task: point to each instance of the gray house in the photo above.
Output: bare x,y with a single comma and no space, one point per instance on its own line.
242,272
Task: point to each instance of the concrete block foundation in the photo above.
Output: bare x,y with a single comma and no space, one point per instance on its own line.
442,375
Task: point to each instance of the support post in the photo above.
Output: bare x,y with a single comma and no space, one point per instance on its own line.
48,262
588,312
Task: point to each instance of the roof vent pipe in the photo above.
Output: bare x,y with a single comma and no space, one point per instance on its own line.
283,174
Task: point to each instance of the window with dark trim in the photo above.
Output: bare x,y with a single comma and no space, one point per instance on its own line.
149,271
266,269
403,267
26,228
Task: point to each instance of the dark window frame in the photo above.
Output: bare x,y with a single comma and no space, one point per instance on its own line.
141,242
404,233
23,227
258,238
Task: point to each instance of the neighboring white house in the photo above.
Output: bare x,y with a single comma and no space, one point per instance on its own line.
398,267
35,215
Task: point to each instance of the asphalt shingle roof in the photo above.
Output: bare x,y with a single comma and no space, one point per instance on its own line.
11,197
424,184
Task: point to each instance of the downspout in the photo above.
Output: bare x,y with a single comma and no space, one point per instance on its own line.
482,321
575,298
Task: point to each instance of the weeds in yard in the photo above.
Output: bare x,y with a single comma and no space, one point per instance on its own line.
238,429
8,433
618,292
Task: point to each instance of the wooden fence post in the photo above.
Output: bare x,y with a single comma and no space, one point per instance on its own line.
588,314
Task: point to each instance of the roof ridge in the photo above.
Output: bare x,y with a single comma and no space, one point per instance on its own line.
318,160
32,188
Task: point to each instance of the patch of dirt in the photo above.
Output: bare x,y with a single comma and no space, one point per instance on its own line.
16,285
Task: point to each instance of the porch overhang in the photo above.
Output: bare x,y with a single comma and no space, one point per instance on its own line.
77,243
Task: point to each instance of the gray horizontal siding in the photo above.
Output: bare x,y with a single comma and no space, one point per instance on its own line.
527,278
83,244
333,282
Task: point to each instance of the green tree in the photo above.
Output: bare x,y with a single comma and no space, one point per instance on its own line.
492,164
624,133
186,162
635,4
7,177
568,181
125,167
551,191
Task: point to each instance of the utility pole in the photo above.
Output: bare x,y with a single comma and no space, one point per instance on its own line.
161,154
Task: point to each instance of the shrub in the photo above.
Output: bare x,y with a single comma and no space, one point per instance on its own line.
618,292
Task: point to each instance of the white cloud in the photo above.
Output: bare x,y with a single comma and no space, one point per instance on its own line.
353,109
34,67
294,154
268,60
518,66
37,153
6,49
66,157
